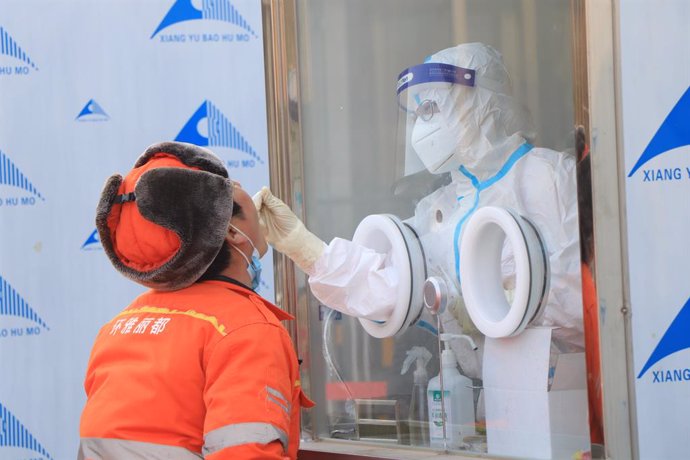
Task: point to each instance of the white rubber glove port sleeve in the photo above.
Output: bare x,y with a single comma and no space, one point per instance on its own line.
354,280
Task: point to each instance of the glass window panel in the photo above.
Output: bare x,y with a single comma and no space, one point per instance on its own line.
357,163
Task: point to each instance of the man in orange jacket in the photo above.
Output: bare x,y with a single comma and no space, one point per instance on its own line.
200,365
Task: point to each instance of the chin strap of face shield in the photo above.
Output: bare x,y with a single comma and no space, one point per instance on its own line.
479,186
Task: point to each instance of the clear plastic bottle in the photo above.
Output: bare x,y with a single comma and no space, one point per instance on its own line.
418,419
419,415
458,404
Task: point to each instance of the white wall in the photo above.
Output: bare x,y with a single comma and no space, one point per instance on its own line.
55,154
655,70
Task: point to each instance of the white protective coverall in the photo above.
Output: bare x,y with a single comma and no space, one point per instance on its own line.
481,135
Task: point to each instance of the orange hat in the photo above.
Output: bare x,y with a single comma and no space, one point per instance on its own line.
163,225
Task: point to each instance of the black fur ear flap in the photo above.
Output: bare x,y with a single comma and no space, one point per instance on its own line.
197,206
105,205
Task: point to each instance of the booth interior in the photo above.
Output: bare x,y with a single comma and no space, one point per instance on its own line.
448,137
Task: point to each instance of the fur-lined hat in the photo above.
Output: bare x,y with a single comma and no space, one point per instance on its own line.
163,225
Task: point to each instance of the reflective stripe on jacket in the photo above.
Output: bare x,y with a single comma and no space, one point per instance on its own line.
204,372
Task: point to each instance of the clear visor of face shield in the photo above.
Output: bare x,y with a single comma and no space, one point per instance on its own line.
426,95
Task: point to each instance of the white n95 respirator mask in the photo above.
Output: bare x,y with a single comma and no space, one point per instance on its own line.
433,139
428,123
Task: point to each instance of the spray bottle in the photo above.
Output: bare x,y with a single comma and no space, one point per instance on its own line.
456,405
418,418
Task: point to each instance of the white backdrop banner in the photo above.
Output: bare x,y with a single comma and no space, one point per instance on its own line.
655,47
85,87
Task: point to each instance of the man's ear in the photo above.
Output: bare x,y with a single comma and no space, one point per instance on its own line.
234,237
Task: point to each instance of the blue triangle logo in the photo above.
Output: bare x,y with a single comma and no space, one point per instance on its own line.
12,304
221,133
676,338
92,111
92,242
9,47
14,434
12,176
674,132
219,10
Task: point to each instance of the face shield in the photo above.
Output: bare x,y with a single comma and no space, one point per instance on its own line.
427,133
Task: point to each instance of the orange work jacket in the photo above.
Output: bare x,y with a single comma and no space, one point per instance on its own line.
592,355
204,372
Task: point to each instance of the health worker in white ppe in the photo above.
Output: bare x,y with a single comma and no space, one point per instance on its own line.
459,117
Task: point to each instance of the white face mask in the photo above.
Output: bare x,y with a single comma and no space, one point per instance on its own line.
434,141
432,136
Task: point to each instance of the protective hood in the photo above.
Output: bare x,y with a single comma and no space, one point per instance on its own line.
457,109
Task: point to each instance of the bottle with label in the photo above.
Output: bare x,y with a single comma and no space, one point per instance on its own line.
458,403
418,419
